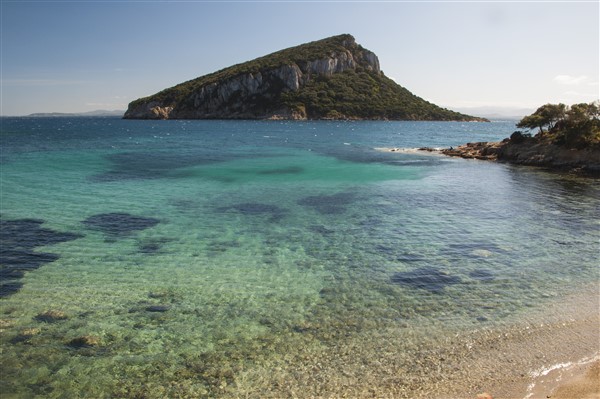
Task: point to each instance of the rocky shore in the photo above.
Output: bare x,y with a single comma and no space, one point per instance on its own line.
529,151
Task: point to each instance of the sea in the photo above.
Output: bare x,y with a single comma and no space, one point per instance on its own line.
253,259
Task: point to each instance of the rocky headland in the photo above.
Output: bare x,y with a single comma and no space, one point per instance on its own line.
533,152
568,139
333,78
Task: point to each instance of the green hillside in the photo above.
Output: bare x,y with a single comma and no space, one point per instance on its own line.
333,78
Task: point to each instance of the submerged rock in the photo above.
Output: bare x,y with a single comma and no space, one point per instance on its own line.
25,335
51,316
119,223
5,323
328,204
158,308
425,278
324,231
152,246
482,275
85,341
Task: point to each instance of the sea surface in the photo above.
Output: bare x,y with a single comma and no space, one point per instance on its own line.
270,258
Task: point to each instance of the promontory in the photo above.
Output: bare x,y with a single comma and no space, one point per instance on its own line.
568,140
333,78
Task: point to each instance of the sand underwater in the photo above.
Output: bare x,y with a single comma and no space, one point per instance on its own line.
288,259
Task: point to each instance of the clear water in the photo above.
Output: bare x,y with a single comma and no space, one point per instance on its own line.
269,259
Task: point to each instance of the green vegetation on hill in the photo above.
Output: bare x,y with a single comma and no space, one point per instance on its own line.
577,126
344,82
294,55
363,94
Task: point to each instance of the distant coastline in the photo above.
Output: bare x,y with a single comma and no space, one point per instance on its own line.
96,113
490,113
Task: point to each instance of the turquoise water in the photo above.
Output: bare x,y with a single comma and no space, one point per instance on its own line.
268,259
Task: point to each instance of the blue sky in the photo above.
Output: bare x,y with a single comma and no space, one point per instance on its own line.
76,56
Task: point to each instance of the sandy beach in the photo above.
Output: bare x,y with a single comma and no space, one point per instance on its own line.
557,359
575,381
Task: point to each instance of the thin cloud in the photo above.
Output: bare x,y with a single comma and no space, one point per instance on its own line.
570,80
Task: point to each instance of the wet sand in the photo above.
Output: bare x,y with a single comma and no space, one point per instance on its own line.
575,381
559,358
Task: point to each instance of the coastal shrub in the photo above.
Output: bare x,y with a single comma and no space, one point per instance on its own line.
518,137
363,94
577,126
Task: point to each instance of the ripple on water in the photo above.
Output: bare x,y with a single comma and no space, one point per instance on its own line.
426,278
274,212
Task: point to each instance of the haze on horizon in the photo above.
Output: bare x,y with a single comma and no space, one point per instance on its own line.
60,56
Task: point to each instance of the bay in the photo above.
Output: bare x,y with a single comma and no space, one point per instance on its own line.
272,258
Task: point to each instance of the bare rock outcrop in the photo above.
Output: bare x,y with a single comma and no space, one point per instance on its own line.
533,152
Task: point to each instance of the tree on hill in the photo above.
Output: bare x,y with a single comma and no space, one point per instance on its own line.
546,115
576,126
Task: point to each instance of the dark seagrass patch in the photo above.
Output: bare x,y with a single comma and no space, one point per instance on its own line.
19,238
426,278
118,224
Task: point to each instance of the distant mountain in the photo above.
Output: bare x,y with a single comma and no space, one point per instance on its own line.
100,112
333,78
493,112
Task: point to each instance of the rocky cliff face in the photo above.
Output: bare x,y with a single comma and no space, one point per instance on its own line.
273,87
253,95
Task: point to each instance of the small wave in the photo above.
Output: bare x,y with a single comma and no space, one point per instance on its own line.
428,150
544,371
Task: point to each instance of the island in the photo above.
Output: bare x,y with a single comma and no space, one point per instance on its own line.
568,139
332,78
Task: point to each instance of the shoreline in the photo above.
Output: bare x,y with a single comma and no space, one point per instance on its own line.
555,356
568,380
529,152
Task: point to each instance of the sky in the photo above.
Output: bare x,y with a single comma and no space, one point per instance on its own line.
83,55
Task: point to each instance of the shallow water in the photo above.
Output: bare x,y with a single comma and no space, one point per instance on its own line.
229,259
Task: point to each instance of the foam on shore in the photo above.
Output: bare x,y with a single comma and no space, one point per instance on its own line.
557,347
570,375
